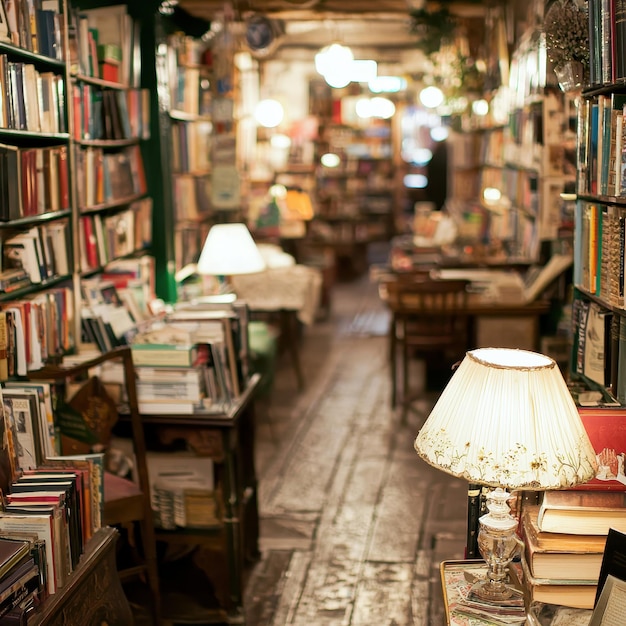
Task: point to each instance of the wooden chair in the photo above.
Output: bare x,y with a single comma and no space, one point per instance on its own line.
126,503
428,319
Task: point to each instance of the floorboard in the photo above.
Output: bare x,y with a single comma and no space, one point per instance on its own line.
353,523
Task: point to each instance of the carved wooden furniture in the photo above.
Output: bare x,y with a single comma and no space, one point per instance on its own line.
93,595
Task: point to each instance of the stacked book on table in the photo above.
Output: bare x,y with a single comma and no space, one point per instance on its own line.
565,539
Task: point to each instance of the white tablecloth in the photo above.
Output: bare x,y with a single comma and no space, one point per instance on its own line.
294,288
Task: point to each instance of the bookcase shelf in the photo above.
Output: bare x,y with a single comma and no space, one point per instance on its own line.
599,305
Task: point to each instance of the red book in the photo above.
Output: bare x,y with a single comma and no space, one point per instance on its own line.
109,71
91,247
64,193
78,126
606,428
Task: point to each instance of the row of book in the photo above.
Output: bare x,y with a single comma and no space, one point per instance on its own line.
116,303
34,329
31,100
104,176
601,146
110,114
106,237
33,181
607,41
190,90
189,238
599,242
191,146
104,43
42,251
33,26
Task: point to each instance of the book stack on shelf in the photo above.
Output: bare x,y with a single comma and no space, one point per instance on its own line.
189,364
565,535
183,491
52,503
564,542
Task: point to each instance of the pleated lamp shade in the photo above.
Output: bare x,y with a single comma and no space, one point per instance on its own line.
507,419
229,249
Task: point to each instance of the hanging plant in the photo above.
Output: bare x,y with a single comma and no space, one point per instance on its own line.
432,28
567,32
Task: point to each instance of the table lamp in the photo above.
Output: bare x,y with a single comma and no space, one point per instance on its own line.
229,249
507,420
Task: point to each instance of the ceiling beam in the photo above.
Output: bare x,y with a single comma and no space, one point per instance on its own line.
324,9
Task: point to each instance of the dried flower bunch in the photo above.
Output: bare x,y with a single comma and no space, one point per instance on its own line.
567,32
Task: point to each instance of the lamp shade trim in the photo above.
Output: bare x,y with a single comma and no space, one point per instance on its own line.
507,419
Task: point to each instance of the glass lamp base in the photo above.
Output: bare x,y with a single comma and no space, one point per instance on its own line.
496,592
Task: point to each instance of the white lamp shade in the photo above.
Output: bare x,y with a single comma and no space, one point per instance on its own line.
507,419
229,249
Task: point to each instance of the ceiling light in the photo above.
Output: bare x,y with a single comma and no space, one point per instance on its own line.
331,57
480,107
269,113
415,181
363,108
330,159
338,77
363,70
387,84
280,141
382,108
439,133
431,97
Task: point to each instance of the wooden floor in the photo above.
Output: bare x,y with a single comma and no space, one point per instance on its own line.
353,523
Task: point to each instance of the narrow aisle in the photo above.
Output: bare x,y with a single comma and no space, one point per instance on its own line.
353,524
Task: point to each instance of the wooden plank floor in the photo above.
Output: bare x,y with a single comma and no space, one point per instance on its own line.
353,523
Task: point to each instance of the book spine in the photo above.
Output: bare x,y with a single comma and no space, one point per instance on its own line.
473,512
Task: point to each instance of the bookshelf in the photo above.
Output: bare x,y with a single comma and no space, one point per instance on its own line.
355,201
599,303
190,84
35,182
74,196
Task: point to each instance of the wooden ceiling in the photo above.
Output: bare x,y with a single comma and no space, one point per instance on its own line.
322,9
383,26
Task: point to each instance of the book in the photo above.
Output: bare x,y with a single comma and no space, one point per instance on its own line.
564,592
21,408
558,555
47,428
12,553
606,428
613,560
41,525
168,355
585,512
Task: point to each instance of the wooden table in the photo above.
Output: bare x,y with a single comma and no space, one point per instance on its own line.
456,579
481,312
289,294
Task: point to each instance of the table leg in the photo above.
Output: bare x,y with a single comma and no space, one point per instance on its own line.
289,328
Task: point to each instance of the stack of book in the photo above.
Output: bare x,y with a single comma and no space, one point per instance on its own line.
565,539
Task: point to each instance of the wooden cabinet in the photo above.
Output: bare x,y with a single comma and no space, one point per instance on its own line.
219,554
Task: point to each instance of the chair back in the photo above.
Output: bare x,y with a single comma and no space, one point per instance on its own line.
429,314
125,503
